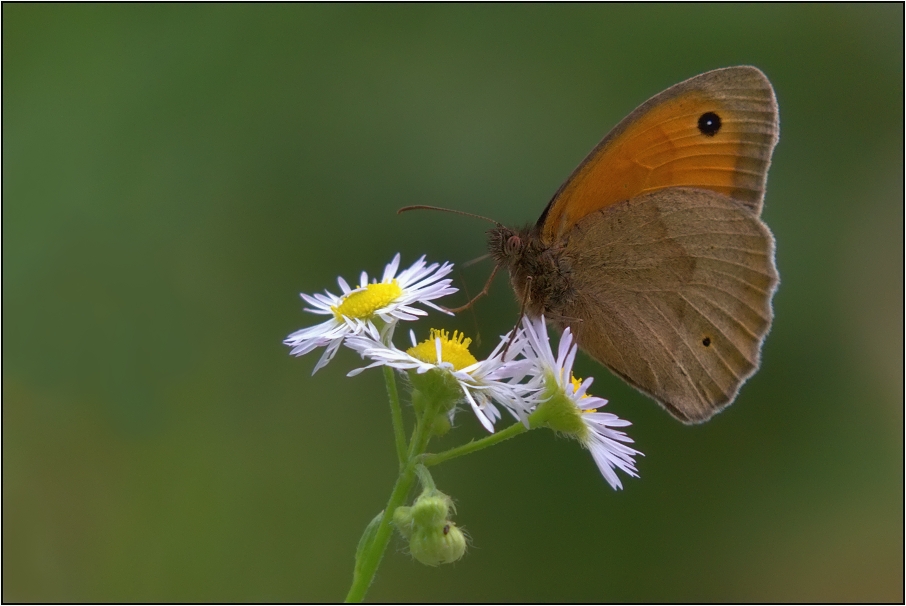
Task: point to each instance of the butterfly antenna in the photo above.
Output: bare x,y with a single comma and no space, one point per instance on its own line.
487,285
474,261
446,210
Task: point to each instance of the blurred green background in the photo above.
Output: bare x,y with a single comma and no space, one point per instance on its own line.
174,175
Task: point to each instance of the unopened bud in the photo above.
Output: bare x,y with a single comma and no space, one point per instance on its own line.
438,545
402,519
431,511
433,538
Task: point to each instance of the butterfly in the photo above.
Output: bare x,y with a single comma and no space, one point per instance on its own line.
653,252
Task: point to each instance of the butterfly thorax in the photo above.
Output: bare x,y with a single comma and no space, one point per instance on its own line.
541,274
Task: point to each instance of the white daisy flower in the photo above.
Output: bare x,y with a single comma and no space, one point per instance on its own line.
580,418
354,311
482,382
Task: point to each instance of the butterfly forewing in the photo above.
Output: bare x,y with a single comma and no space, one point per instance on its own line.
715,131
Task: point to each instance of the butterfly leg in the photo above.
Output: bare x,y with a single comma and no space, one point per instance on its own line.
564,319
484,291
525,298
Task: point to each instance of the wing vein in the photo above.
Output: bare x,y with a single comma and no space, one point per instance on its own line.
725,337
695,387
755,312
736,321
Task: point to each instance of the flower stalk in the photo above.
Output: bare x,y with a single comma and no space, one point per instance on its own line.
429,460
371,552
396,416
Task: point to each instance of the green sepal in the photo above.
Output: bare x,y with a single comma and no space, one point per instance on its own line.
441,425
367,538
559,412
435,390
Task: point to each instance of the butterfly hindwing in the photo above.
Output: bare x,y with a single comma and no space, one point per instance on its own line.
678,311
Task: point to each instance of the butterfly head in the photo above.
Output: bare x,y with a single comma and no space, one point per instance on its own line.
528,262
506,245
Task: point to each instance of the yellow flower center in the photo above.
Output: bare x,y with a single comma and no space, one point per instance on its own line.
577,383
455,350
363,303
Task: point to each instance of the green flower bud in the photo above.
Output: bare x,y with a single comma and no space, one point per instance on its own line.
436,390
402,519
431,510
438,545
433,538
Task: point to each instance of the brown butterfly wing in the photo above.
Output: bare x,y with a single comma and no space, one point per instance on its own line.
715,131
674,289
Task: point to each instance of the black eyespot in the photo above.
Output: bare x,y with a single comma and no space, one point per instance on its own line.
706,341
446,528
709,124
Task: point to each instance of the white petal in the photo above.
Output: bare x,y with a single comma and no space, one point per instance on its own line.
328,355
481,418
315,302
438,308
391,268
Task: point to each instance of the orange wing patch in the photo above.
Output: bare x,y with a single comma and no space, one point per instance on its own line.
717,140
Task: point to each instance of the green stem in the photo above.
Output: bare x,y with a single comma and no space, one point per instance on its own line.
375,540
425,479
396,414
419,441
373,550
513,430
